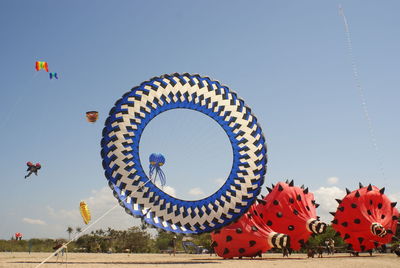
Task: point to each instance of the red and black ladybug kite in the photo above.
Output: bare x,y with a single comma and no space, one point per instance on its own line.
291,210
247,237
285,218
365,218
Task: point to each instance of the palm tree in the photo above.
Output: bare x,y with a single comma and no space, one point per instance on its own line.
69,231
78,230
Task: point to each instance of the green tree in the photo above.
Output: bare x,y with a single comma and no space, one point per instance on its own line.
203,240
137,240
164,241
319,240
69,231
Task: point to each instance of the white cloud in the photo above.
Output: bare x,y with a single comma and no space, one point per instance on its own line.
220,182
99,202
394,197
196,191
101,198
332,180
63,213
325,196
169,190
33,221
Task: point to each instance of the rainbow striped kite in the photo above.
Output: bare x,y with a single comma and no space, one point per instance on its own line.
42,65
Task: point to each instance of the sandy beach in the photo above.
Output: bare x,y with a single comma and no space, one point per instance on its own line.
92,260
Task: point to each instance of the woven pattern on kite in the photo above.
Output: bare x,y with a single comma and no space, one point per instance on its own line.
120,152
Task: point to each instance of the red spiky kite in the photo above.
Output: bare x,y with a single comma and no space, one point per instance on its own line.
247,237
365,218
291,210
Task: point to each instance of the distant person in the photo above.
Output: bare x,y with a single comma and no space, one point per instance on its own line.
32,169
310,253
320,251
331,246
327,246
173,245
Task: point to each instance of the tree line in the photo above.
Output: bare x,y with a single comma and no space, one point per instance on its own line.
132,240
139,240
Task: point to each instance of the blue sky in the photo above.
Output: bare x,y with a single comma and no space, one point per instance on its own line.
287,59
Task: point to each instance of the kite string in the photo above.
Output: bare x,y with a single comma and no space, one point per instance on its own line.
88,227
361,92
21,96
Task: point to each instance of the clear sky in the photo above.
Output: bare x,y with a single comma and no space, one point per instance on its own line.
287,59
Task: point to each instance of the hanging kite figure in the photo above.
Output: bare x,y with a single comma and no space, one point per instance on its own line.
92,116
18,236
156,161
42,65
32,169
53,75
85,213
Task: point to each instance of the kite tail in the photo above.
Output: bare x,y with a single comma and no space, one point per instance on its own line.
161,175
151,172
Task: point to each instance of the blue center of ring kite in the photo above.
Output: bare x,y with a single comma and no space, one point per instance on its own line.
140,196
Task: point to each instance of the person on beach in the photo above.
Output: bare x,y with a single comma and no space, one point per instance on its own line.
331,246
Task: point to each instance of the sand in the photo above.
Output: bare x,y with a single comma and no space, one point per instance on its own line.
91,260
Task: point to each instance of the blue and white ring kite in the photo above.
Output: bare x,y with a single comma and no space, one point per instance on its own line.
128,180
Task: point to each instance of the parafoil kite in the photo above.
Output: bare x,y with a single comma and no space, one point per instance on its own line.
18,236
53,75
156,162
129,182
291,210
42,65
365,218
247,237
92,116
85,213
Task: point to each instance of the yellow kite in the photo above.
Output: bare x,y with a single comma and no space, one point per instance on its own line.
85,212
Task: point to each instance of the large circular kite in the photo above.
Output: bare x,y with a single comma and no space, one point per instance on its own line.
140,196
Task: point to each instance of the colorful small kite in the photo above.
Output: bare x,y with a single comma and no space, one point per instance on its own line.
85,212
92,116
53,75
18,236
42,65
